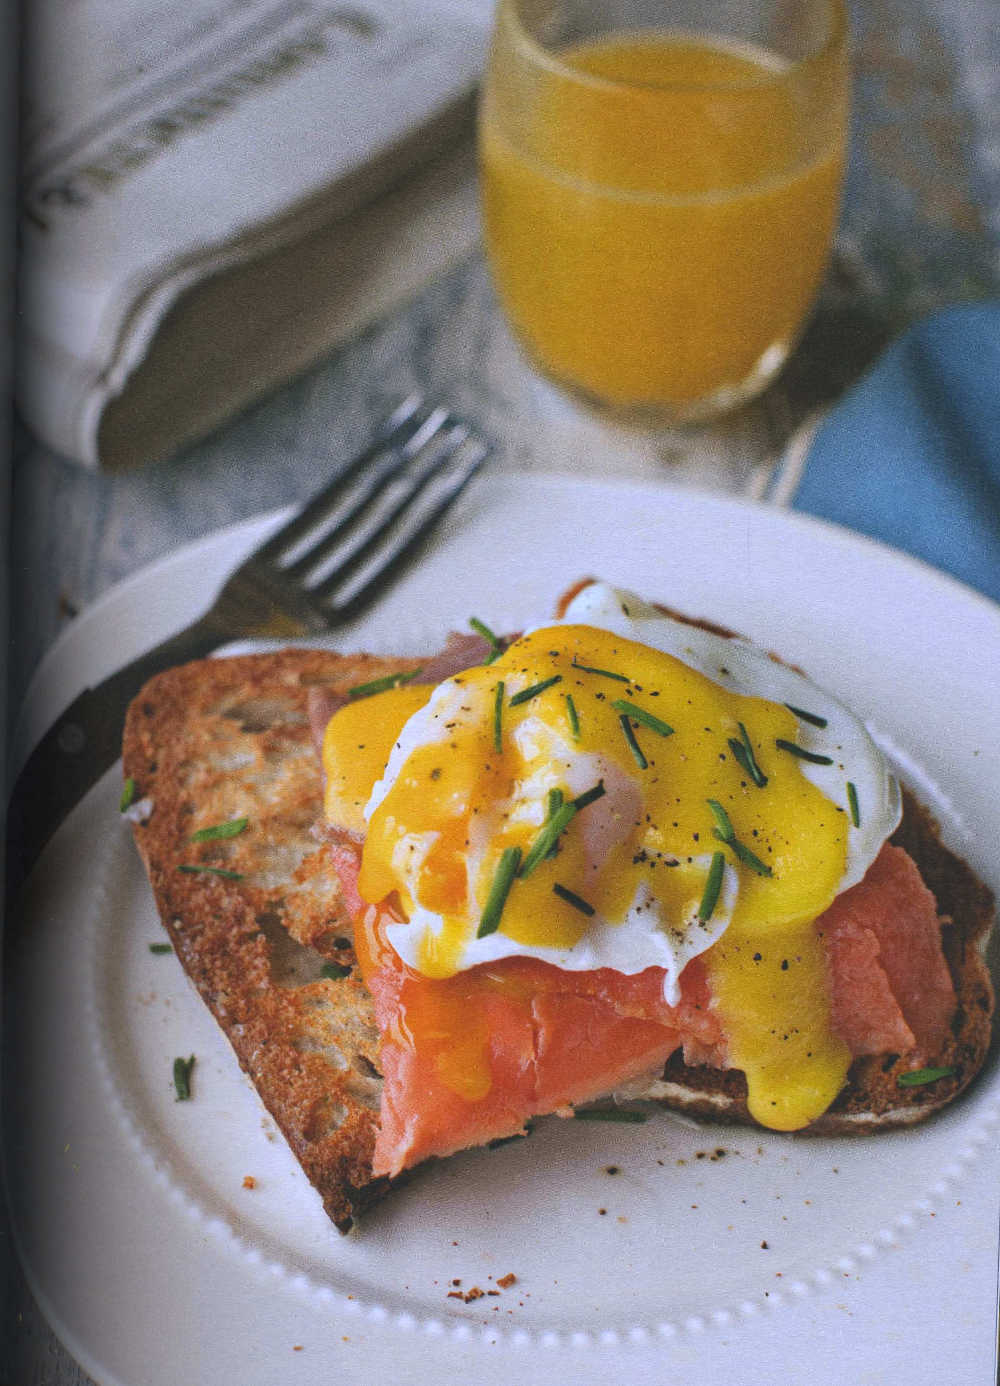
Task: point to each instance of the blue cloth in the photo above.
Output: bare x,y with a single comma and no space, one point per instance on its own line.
911,455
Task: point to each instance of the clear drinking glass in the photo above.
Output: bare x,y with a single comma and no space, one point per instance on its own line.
661,182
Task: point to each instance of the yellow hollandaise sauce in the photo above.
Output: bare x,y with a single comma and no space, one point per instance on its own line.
579,800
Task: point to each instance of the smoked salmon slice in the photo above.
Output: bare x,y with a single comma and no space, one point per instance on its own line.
891,991
470,1058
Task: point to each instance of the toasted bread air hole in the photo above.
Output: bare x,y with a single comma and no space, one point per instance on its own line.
291,964
261,714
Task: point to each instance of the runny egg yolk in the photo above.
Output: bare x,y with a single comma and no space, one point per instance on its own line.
643,742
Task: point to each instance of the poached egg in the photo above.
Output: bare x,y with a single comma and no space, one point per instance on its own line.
619,789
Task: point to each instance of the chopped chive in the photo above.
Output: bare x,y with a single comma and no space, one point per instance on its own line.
498,717
365,690
604,673
551,830
722,821
852,803
335,972
574,720
495,643
554,805
740,755
161,948
128,794
804,716
596,791
548,836
481,628
639,714
626,1114
212,871
489,921
812,756
633,745
920,1076
713,884
750,858
527,693
182,1078
571,898
231,828
744,753
726,833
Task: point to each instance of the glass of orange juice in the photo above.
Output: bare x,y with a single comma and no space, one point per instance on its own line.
661,182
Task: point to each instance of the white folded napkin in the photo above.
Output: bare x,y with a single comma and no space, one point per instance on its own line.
197,180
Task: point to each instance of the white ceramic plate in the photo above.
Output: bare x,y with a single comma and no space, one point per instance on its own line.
642,1253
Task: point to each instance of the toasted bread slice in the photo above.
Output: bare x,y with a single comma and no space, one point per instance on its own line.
262,931
230,738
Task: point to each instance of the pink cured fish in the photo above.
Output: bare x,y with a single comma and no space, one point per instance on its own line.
470,1058
891,991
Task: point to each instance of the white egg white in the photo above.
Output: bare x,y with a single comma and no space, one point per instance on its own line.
646,938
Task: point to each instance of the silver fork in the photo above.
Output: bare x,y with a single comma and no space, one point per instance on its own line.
326,565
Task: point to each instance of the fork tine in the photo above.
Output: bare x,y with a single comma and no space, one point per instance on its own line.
406,549
398,423
416,482
404,454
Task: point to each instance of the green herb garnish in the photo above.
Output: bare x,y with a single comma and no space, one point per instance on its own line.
128,794
749,858
498,717
639,714
723,823
604,673
231,828
212,871
527,693
713,884
495,643
920,1076
335,972
555,803
489,921
626,1114
852,803
633,745
551,831
596,791
571,898
548,836
182,1078
726,833
161,948
744,753
811,756
804,716
574,720
365,690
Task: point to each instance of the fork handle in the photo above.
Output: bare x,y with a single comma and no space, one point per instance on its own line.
83,742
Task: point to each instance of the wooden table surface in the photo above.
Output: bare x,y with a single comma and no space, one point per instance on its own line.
920,228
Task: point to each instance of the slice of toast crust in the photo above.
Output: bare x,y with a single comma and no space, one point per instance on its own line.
224,739
229,738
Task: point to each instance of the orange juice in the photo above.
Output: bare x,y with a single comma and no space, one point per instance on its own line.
656,247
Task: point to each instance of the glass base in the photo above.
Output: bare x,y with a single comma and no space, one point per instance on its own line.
655,417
